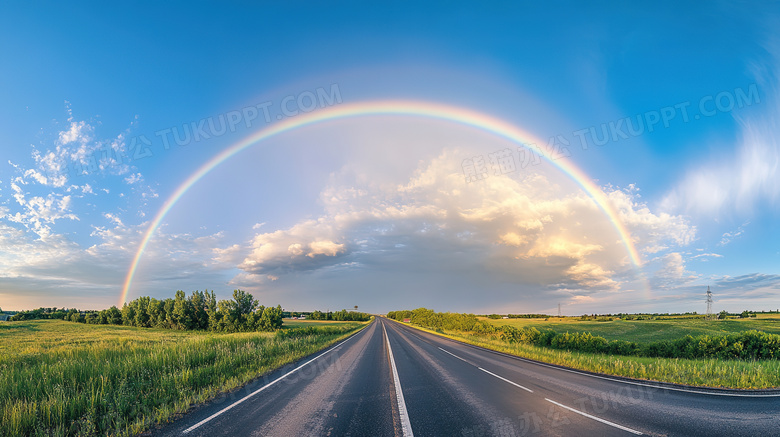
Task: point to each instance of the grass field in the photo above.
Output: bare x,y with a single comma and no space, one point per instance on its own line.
736,374
645,331
61,378
290,323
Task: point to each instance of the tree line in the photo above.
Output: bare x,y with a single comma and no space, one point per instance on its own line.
199,311
517,316
343,316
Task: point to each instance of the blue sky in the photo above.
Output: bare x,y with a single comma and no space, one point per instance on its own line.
376,211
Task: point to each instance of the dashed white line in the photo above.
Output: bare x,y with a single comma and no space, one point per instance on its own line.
220,412
607,422
506,380
406,426
448,352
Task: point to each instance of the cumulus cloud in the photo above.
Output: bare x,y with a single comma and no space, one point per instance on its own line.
671,272
528,229
307,245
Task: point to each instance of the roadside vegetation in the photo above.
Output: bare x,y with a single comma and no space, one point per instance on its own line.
199,311
744,358
60,378
645,331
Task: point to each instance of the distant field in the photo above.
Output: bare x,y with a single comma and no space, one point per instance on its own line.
62,378
645,331
290,323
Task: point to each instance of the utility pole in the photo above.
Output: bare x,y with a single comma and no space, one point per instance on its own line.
559,310
709,304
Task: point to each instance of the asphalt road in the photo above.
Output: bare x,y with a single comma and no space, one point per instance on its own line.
451,389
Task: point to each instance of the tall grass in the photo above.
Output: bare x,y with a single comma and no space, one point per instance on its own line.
738,374
118,381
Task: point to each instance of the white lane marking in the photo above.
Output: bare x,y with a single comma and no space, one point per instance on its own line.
448,352
660,387
595,418
506,380
218,413
406,426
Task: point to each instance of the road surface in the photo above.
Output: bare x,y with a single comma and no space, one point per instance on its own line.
390,379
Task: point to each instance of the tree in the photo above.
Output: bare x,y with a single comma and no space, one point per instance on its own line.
271,319
225,322
156,313
170,319
182,312
128,314
212,310
200,318
142,312
242,305
723,314
114,316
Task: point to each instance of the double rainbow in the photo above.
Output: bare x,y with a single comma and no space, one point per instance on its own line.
453,114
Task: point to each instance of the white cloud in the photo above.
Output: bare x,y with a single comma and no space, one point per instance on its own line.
671,272
728,236
524,230
229,256
705,256
38,212
134,178
306,245
748,178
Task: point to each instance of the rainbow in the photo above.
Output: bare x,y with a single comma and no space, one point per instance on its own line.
453,114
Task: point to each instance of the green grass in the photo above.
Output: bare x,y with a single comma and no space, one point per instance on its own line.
646,331
61,378
704,373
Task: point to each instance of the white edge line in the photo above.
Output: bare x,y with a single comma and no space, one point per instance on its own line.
220,412
448,352
660,387
595,418
506,380
406,426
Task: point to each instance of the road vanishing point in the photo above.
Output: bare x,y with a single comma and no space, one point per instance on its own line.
393,380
